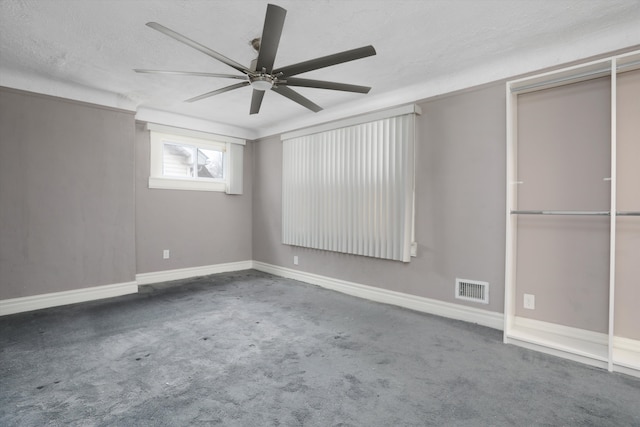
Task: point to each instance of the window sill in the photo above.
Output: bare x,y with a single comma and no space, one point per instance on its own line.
186,184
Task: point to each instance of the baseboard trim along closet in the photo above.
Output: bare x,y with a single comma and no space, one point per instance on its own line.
576,344
54,299
186,273
426,305
596,338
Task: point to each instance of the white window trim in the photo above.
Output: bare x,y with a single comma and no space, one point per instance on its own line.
233,147
186,184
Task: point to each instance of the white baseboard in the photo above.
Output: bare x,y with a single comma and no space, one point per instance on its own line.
186,273
565,353
37,302
576,344
598,338
440,308
627,344
626,356
628,348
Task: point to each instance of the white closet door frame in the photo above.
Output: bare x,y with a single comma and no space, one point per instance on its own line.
613,208
513,334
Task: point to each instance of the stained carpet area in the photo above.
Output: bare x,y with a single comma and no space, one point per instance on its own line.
251,349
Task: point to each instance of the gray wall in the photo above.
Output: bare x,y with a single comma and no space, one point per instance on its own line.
627,315
564,155
200,228
66,195
69,217
76,210
460,203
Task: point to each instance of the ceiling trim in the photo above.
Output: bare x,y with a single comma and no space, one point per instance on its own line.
48,86
180,121
618,39
521,63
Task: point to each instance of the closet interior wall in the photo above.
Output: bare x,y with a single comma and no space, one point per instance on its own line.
563,161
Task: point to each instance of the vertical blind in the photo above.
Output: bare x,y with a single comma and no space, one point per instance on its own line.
350,189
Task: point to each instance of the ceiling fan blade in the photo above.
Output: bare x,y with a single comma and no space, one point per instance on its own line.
198,46
296,97
326,61
319,84
270,39
191,73
218,91
256,101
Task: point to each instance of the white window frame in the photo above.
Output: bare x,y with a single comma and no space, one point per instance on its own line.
233,153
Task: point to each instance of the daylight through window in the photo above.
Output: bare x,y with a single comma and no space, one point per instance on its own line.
182,159
188,161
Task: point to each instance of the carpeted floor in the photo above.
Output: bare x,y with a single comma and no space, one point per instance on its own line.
251,349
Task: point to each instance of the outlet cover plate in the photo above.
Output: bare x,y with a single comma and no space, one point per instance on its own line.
529,302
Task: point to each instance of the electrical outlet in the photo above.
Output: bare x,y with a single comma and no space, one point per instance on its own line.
529,301
295,260
165,254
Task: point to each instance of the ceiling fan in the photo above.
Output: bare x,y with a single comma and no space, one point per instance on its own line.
262,75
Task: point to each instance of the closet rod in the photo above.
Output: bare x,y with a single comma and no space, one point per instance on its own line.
596,213
561,212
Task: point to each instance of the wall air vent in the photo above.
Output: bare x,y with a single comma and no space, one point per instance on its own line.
472,290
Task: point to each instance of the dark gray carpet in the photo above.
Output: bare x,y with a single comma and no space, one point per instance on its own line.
250,349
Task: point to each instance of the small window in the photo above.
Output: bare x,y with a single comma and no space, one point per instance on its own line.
189,161
192,160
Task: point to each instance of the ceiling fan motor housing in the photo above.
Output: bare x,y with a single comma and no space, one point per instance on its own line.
261,81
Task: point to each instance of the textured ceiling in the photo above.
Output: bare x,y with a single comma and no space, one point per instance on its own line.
87,49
